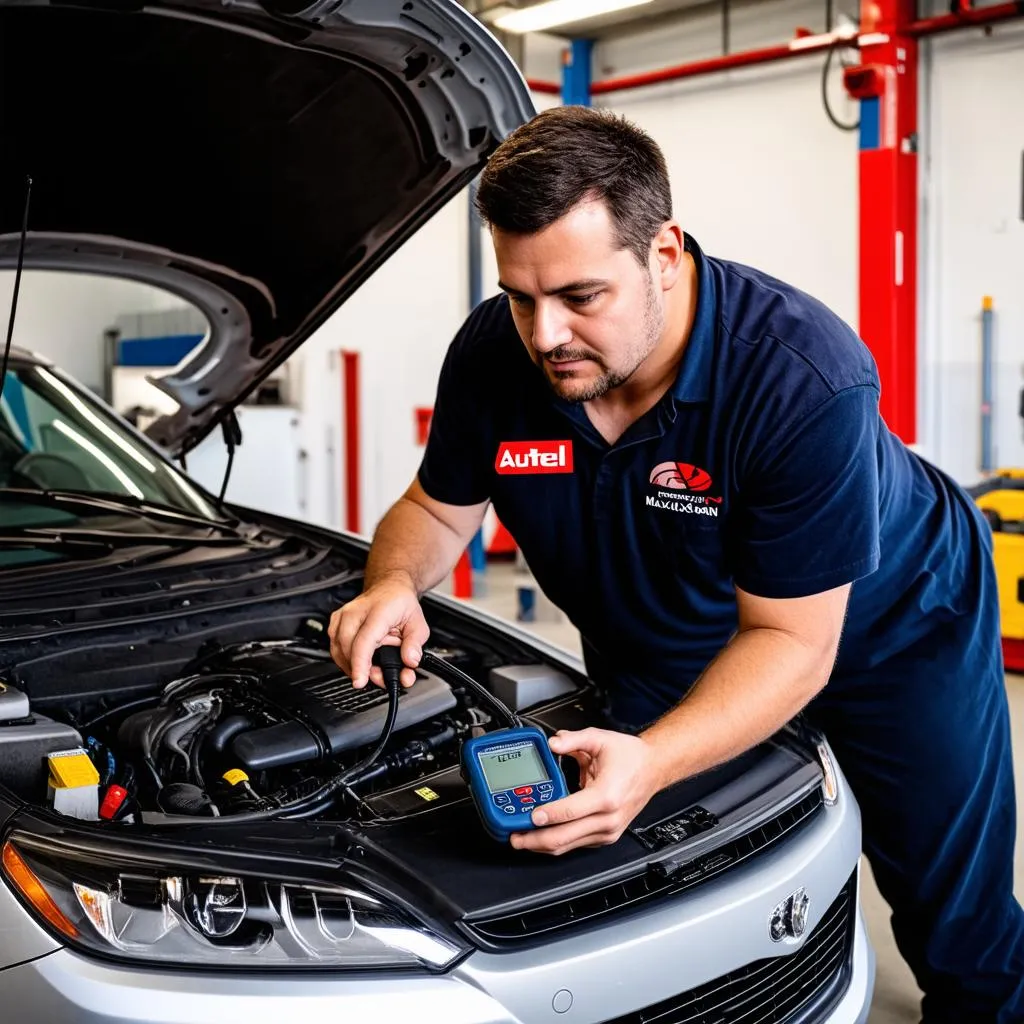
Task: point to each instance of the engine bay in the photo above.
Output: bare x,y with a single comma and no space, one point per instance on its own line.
141,718
145,703
258,728
148,711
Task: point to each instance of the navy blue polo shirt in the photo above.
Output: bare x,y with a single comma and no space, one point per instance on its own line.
766,466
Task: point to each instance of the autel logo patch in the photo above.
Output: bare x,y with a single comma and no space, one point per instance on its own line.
534,457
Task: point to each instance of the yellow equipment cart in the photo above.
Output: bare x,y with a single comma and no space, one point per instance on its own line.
1001,500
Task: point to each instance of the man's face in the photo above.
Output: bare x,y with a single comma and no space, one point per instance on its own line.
587,312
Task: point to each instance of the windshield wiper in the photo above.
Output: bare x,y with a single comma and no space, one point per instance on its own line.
63,545
43,536
131,506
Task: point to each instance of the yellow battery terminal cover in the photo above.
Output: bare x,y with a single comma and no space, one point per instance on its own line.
70,769
235,776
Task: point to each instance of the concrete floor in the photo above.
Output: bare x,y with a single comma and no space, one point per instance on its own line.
897,996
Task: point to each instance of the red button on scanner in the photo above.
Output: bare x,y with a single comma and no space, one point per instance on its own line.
523,790
527,800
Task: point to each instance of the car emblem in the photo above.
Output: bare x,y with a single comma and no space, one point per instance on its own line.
789,918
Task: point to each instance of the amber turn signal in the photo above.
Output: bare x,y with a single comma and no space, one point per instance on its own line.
32,889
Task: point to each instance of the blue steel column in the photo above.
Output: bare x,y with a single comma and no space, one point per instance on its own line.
576,73
988,461
477,551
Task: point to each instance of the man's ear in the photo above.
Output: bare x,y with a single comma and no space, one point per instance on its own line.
668,250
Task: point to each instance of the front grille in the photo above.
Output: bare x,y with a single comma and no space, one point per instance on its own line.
643,888
774,990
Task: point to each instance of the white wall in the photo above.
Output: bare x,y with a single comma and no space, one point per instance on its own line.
974,244
401,321
543,59
63,316
759,173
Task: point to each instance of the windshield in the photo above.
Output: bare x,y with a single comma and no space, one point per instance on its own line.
55,437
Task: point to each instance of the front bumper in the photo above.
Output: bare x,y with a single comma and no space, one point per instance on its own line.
599,976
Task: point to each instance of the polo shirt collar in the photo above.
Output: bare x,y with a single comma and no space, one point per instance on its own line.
693,381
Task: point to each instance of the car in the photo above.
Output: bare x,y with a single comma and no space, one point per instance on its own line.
201,820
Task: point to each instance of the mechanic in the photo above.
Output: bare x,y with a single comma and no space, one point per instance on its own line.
690,455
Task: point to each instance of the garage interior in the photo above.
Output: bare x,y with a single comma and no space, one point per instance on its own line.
885,176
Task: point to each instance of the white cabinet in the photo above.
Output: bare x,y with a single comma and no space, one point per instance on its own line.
271,464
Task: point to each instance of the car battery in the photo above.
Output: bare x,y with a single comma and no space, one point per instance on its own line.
26,741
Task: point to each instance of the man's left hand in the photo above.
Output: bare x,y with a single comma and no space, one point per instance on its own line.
618,776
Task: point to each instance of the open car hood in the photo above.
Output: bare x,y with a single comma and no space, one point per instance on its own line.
258,160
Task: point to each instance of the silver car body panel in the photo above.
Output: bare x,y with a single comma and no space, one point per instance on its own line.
627,964
21,939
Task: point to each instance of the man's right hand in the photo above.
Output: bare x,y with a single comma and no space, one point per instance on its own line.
389,612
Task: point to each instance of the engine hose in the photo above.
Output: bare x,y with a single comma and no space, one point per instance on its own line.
226,730
312,812
391,665
405,757
181,730
454,673
195,750
153,733
118,709
390,661
389,658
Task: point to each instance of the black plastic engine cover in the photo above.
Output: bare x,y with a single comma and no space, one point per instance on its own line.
323,714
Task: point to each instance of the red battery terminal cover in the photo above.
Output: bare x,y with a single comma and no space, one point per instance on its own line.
112,801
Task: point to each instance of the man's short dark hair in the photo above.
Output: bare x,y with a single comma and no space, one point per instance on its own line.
566,155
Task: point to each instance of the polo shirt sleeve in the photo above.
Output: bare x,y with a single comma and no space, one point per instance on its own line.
457,462
808,516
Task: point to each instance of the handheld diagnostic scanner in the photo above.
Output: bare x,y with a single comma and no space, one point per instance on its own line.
511,772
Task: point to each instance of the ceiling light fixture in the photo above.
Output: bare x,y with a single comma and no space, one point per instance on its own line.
559,12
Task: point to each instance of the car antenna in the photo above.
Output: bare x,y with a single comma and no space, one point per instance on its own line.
17,285
232,431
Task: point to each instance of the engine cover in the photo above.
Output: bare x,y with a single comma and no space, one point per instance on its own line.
322,714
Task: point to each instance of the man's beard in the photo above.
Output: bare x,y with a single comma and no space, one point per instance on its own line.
651,329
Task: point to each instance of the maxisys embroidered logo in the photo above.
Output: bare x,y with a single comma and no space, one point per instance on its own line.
517,457
680,476
686,485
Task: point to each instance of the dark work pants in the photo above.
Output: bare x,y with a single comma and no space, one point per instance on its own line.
925,744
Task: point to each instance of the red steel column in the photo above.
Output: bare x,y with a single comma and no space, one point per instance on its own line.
886,83
351,443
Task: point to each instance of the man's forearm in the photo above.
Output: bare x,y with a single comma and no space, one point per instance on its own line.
761,680
412,543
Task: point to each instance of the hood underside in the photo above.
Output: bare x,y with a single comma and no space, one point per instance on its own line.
260,161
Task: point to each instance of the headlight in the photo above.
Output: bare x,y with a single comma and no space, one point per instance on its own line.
204,920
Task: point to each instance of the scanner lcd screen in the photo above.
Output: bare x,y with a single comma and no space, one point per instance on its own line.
511,767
